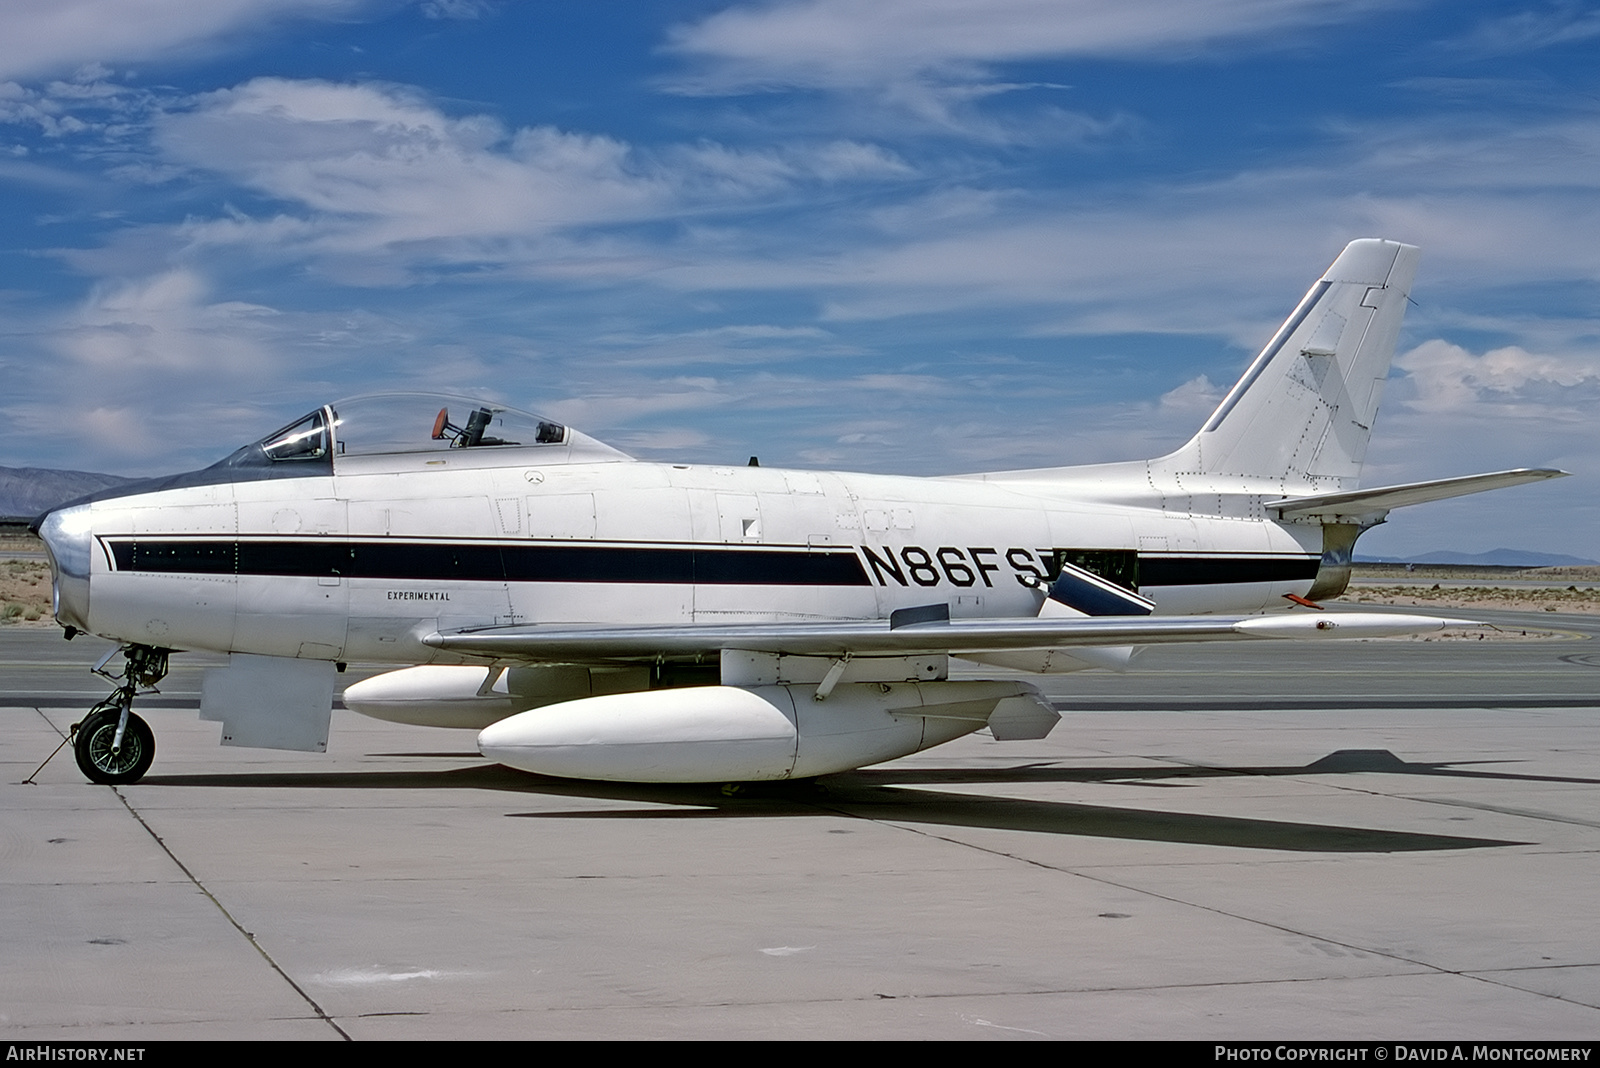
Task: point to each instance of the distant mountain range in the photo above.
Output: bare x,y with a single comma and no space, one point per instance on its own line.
26,492
1492,558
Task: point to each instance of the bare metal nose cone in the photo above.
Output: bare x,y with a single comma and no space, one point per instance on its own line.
67,537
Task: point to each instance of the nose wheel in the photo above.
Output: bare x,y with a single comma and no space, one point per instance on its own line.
110,751
114,747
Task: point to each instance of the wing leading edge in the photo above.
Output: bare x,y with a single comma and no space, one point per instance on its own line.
568,644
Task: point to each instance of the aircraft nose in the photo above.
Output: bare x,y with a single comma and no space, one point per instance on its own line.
67,538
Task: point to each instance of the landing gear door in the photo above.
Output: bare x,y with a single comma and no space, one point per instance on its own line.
270,702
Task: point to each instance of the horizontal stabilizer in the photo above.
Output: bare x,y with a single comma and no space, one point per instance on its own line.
1372,504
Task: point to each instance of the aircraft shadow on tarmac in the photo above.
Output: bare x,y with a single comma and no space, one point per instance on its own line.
889,795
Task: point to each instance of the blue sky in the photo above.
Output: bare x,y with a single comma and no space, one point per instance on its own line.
919,237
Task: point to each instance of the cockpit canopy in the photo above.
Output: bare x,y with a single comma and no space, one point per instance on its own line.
394,423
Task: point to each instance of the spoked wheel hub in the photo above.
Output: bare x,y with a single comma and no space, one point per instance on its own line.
101,759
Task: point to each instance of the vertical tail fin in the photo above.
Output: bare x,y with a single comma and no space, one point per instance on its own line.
1302,414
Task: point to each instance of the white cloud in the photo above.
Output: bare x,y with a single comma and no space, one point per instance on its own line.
160,374
1529,31
669,440
848,44
918,68
1196,397
1478,151
1453,411
457,9
162,324
620,405
377,172
379,186
1510,381
410,173
124,431
91,104
44,37
743,171
1226,256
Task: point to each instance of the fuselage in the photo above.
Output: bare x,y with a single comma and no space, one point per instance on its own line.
360,564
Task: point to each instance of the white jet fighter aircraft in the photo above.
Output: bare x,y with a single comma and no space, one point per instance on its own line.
601,617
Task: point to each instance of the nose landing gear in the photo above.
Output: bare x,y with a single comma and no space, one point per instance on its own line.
114,747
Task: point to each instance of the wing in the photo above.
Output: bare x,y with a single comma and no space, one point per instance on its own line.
554,643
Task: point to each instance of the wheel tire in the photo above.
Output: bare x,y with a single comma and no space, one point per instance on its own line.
92,747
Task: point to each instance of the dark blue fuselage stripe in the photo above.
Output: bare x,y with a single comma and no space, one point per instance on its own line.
443,561
1224,571
677,565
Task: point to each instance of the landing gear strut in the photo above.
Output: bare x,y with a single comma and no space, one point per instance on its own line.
113,746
